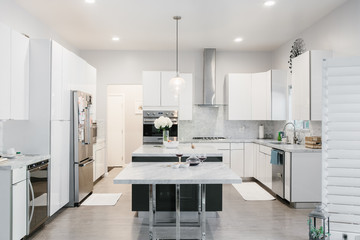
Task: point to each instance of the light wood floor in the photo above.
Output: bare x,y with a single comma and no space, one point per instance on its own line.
260,220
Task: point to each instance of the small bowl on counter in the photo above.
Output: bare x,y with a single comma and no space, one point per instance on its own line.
171,143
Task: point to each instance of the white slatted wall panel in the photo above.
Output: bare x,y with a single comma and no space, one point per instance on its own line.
341,145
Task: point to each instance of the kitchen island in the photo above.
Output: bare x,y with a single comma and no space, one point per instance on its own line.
165,193
160,173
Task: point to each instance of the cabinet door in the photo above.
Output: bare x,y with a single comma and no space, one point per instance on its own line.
5,71
239,96
186,98
226,157
19,218
268,171
287,187
56,81
261,96
262,168
255,159
237,162
301,87
60,165
249,160
151,89
169,98
19,76
100,163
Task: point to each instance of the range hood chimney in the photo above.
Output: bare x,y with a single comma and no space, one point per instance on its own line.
209,81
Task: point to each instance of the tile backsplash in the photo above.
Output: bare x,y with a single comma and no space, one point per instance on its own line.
211,121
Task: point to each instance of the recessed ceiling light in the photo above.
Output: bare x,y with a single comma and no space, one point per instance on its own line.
239,39
90,1
269,3
115,38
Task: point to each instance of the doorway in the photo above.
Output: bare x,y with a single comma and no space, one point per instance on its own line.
115,130
131,121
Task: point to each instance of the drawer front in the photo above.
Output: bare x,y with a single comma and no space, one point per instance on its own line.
266,150
218,146
238,146
18,175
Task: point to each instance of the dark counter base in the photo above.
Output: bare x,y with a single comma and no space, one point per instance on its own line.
165,193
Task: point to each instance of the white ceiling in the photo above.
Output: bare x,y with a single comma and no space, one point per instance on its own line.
148,24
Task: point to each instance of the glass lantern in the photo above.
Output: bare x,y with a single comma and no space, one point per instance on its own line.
319,224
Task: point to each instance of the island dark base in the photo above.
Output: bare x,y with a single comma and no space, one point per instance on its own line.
165,193
165,197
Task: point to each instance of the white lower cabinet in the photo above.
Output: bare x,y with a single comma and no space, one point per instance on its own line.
248,160
99,154
237,161
59,165
287,172
19,209
13,198
268,171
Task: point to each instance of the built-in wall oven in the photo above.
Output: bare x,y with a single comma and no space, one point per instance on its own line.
38,195
151,135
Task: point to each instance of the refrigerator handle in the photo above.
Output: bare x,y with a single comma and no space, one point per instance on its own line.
87,128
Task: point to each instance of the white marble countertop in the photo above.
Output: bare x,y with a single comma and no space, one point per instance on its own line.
295,148
21,161
184,148
163,173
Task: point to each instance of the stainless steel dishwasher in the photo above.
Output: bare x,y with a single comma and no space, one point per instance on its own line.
278,175
38,195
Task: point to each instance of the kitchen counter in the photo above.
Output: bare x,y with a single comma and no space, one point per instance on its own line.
185,149
21,161
162,173
295,148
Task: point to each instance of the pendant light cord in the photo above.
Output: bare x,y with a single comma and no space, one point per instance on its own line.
177,18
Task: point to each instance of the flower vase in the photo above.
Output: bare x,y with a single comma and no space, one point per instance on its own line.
165,135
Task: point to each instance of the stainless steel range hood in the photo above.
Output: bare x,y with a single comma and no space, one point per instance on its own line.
209,78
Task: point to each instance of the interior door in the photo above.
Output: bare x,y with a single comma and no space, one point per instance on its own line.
115,130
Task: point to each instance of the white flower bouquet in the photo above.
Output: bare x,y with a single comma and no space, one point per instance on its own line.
163,123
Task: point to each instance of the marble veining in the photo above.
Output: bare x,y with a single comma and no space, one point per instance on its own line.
22,161
163,173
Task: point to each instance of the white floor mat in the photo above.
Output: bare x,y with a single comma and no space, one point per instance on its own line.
251,191
102,199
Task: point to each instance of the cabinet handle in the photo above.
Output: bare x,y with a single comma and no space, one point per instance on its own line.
33,201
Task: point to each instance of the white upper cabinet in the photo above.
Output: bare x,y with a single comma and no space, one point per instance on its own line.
256,96
307,85
185,98
261,96
5,71
151,89
19,76
168,96
157,92
56,81
239,96
279,95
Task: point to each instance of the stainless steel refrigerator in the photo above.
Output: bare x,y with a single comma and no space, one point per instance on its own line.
81,165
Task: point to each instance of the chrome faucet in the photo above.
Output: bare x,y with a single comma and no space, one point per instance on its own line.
295,138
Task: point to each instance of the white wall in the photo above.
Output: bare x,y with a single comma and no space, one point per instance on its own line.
133,122
125,67
339,31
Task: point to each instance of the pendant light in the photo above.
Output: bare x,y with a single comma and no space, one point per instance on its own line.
177,82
